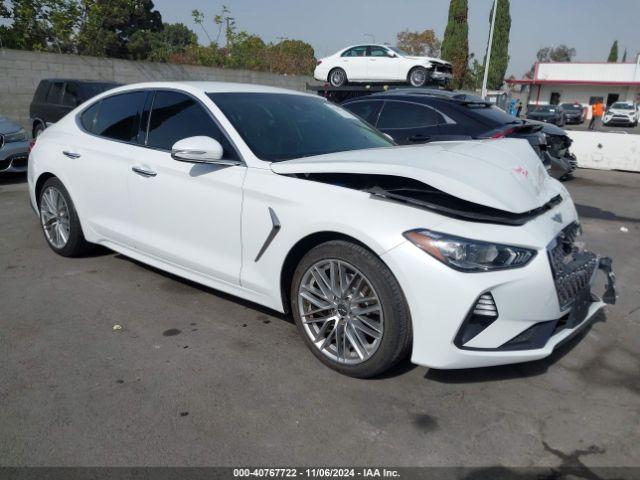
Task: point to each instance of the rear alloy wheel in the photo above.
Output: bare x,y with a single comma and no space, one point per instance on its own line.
418,76
59,220
337,77
350,310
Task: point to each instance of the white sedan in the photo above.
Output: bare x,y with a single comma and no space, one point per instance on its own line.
461,253
380,63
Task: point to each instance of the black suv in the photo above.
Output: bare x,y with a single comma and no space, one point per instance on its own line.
54,98
413,116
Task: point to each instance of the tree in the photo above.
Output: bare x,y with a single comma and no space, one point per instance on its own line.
455,45
291,57
624,56
109,25
613,53
499,46
419,43
561,53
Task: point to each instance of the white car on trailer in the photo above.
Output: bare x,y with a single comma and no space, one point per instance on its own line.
381,63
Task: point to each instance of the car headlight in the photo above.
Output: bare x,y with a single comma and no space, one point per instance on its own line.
468,255
19,136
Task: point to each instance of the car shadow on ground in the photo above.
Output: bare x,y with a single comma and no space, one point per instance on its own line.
595,212
210,291
471,375
518,370
11,178
401,368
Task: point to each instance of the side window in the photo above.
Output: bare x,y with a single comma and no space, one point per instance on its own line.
175,116
378,52
55,93
356,52
88,117
71,95
407,115
367,110
119,116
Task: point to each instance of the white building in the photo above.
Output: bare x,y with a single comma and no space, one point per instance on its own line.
582,82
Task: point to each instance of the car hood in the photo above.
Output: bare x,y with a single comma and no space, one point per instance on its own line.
615,111
505,174
7,126
427,59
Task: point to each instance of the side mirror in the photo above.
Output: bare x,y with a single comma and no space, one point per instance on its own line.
200,150
392,55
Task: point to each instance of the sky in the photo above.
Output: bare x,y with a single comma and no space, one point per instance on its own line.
589,26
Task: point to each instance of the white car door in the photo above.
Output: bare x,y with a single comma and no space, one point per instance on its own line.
187,214
381,66
354,62
101,162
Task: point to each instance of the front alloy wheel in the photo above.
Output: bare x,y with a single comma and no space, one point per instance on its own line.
418,77
350,309
340,311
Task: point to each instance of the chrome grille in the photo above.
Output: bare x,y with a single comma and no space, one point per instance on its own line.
572,266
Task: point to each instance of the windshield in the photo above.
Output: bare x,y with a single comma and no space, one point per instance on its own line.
278,126
399,51
623,106
543,108
572,106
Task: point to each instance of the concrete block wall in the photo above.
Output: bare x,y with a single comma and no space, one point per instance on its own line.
21,71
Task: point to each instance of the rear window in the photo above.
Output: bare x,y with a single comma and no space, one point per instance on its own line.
55,93
90,90
41,92
492,115
88,117
119,116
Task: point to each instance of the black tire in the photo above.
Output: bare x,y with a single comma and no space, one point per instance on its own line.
76,244
396,337
337,77
38,129
417,77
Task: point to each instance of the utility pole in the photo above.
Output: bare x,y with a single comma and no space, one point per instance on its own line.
488,59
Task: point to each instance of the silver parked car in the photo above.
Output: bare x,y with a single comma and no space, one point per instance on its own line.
14,147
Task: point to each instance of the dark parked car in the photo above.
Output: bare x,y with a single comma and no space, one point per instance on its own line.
413,116
14,146
547,113
573,113
54,98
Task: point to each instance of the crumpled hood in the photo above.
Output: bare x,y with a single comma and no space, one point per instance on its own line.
505,174
428,59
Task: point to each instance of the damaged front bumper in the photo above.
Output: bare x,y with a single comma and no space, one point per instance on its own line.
464,320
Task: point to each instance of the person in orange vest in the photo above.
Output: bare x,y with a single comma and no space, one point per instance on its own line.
597,110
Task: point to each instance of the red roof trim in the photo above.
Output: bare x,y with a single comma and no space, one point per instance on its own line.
526,81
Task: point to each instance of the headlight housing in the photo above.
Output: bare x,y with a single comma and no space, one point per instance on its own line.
468,255
19,136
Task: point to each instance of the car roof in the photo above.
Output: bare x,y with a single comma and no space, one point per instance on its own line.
421,94
212,87
104,82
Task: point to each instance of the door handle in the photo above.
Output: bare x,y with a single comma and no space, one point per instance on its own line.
143,172
71,154
419,138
